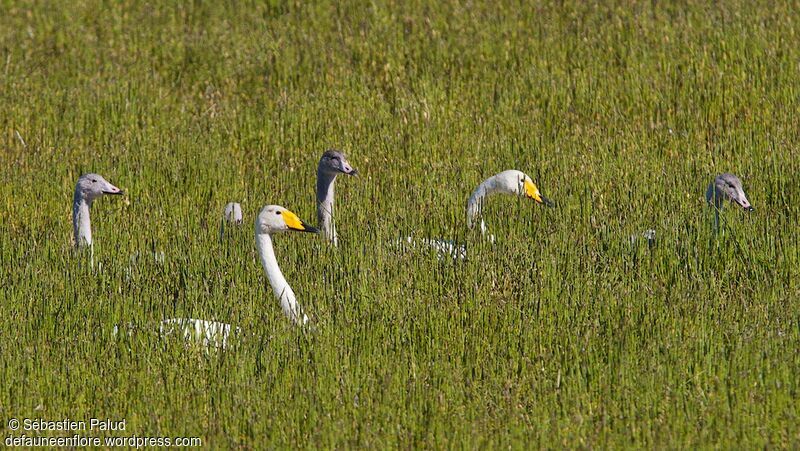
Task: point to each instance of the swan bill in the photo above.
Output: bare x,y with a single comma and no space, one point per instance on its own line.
113,190
295,223
532,192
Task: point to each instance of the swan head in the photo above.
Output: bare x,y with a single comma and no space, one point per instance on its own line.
518,183
92,186
334,162
727,186
275,219
233,213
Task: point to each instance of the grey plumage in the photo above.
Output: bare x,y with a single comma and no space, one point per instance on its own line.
332,163
726,187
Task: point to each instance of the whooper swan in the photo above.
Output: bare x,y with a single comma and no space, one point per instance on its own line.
510,182
271,220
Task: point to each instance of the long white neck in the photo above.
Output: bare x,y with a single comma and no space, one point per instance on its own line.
280,287
81,225
325,204
475,203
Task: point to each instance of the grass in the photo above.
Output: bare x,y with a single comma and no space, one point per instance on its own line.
563,334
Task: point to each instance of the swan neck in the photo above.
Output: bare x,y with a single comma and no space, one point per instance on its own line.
81,224
475,204
325,204
280,288
714,196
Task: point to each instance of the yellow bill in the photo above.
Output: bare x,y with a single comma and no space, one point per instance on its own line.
532,192
294,223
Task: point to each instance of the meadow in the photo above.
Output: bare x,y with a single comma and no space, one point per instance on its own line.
563,333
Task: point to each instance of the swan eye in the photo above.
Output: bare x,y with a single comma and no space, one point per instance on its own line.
278,213
94,180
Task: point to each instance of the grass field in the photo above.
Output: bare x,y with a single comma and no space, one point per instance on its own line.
562,334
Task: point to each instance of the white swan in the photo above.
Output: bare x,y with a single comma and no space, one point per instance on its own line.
330,165
271,220
231,215
510,182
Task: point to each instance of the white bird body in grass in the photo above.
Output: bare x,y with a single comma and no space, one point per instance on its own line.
271,220
210,334
232,215
510,182
332,163
88,188
443,248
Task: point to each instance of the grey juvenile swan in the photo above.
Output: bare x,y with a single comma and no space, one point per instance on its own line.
726,187
330,165
88,188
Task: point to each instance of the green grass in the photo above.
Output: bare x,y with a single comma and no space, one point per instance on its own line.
562,334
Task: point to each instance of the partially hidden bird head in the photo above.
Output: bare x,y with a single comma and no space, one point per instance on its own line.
233,213
727,186
92,186
334,162
519,183
274,219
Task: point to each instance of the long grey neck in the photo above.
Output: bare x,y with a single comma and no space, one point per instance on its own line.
325,204
714,197
81,224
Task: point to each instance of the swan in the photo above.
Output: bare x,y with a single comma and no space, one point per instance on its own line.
88,188
271,220
232,214
330,165
726,187
510,182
